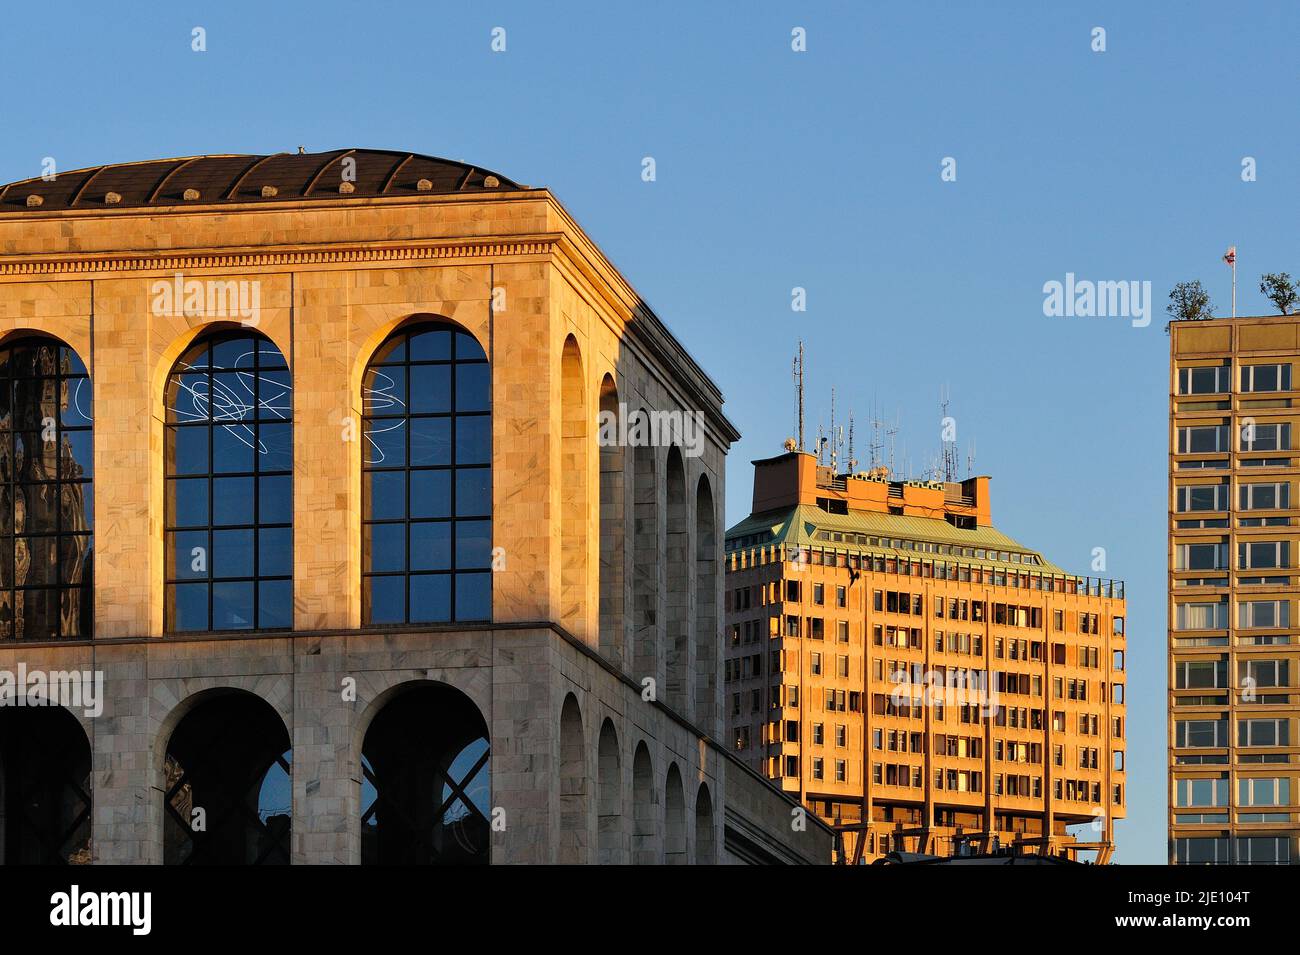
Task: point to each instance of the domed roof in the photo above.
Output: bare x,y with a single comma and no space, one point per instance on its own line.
208,180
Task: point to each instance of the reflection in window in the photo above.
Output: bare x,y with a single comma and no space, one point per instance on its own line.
229,509
46,494
427,478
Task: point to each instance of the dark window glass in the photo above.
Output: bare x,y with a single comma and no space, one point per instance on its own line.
229,461
46,499
427,479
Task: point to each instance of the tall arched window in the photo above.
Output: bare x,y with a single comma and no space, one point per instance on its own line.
229,495
46,494
426,462
612,528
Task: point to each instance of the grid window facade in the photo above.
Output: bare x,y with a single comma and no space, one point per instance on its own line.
229,494
427,479
46,493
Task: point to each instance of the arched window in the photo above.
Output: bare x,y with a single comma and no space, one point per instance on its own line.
575,522
705,844
612,526
674,819
575,809
228,796
707,637
426,780
677,596
646,645
229,495
427,478
45,786
46,494
646,848
612,839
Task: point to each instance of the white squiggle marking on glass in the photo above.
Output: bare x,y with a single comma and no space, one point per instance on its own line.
378,401
228,404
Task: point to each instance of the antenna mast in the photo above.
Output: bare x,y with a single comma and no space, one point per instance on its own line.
873,449
853,462
949,443
798,387
835,438
891,433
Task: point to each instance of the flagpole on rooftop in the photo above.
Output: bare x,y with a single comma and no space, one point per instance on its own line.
1230,257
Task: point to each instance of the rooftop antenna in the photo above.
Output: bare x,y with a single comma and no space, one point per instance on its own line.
798,387
890,434
970,459
853,462
873,449
837,438
949,444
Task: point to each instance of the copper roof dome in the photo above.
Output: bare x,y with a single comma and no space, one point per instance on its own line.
207,180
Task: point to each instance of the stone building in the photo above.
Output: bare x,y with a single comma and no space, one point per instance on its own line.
301,466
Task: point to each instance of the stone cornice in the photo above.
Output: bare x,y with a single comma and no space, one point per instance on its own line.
270,257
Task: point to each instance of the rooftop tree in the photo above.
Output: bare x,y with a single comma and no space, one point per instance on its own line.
1188,301
1280,290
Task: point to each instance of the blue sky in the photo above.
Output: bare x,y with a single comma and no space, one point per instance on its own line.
819,169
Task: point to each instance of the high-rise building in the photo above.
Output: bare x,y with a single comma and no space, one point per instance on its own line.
919,679
1233,551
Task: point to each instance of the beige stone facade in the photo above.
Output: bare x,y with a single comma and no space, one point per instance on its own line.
565,335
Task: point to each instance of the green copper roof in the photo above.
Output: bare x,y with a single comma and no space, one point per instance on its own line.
803,525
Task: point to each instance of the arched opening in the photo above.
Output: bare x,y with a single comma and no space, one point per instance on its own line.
674,819
426,481
609,824
229,493
645,574
575,525
46,492
706,608
612,546
575,814
227,797
645,818
706,852
426,787
677,596
45,787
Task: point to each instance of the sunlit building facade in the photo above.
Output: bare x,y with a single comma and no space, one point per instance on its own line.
307,528
1234,659
920,680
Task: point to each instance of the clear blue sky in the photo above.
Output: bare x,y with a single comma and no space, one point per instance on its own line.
819,169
